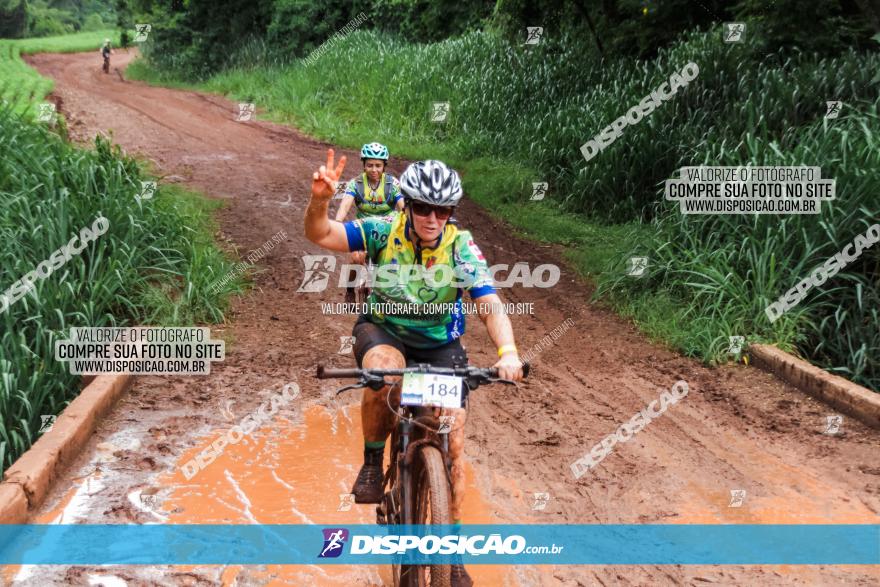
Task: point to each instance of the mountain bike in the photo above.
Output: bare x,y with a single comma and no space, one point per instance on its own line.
106,64
419,471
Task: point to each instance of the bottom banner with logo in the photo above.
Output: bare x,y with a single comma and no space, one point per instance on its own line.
472,544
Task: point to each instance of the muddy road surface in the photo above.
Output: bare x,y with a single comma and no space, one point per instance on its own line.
738,428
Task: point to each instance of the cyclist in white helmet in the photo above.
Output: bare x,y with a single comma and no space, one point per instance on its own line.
420,236
106,51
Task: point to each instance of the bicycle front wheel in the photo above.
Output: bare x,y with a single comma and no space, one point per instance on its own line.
430,500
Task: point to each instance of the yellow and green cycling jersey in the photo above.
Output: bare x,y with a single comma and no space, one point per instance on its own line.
374,202
417,292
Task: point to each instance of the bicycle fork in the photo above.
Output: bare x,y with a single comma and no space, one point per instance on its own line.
395,507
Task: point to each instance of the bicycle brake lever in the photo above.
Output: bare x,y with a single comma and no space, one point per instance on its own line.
352,386
373,382
505,381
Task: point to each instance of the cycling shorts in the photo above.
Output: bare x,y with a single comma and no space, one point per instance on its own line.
367,335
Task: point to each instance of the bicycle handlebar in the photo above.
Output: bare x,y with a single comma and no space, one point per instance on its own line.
475,376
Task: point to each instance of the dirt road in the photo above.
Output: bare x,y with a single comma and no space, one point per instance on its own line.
737,429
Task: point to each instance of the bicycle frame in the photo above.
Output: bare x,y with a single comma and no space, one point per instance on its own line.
398,474
418,479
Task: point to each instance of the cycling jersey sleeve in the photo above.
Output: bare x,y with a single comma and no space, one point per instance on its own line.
368,234
396,194
350,190
472,264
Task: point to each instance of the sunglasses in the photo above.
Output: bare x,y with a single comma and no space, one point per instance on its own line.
424,210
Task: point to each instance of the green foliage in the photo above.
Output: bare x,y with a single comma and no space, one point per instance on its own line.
41,18
641,27
729,267
124,22
299,26
809,25
201,39
93,22
424,21
46,22
13,19
155,265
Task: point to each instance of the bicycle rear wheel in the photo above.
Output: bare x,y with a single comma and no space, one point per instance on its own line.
430,500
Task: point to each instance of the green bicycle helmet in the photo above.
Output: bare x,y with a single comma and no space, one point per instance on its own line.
374,151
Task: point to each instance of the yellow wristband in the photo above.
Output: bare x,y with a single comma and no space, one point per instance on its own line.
506,349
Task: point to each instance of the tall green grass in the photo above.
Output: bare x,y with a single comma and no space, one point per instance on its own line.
520,114
729,268
20,86
154,266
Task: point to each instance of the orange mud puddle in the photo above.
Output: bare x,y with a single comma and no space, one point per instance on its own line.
284,474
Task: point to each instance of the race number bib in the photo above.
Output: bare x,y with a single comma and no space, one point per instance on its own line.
428,389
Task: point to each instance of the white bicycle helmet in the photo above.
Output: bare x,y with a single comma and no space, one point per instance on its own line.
431,182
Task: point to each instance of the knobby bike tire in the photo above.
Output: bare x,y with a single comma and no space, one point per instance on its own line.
430,489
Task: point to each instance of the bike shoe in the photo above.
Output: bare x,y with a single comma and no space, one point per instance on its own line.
460,577
368,485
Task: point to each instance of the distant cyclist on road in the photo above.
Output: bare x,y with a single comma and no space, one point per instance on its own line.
373,193
106,51
421,235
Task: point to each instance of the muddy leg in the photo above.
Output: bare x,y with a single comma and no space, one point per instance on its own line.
456,454
376,420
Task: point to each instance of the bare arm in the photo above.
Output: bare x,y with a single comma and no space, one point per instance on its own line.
318,227
489,309
344,207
